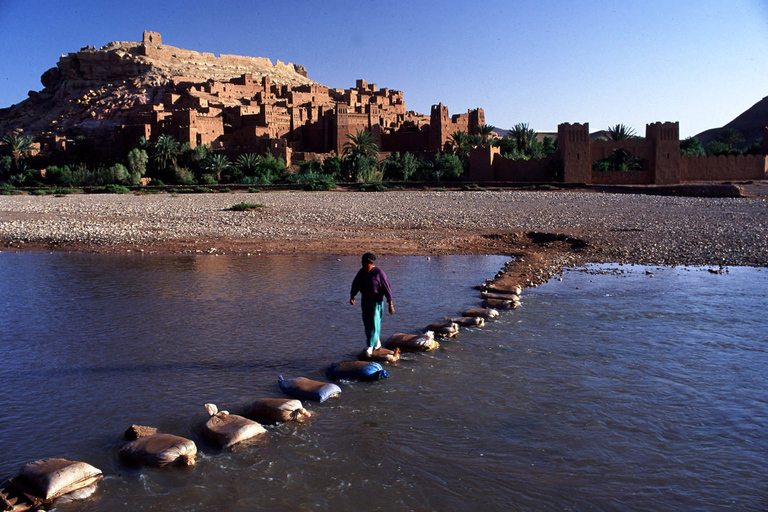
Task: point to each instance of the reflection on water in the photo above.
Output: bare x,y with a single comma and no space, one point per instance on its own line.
618,391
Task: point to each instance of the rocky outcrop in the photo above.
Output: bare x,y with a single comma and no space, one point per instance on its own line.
96,89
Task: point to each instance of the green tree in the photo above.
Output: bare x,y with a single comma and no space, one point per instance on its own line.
447,166
18,146
484,131
248,163
717,147
691,147
730,137
459,145
270,169
332,167
361,143
137,164
620,132
524,137
165,153
360,157
217,164
549,146
400,166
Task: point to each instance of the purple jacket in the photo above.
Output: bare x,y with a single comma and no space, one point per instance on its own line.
373,285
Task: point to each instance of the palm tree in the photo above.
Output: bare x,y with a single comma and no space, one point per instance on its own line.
248,163
217,164
620,132
459,144
166,150
19,146
524,135
362,143
730,137
484,131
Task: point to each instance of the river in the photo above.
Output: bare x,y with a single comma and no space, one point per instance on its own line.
617,388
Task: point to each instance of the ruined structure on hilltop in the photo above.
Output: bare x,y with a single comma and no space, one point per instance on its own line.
124,91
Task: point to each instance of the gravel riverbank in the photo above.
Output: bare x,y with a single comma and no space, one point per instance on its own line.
598,227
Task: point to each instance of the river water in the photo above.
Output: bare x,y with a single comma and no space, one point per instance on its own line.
617,388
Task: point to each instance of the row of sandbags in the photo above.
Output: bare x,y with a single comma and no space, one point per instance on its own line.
40,482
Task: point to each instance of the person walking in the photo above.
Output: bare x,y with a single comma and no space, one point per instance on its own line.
371,282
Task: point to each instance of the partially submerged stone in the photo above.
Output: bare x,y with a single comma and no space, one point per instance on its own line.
228,429
500,296
468,321
413,342
136,431
445,329
486,313
301,387
275,410
356,370
40,482
380,355
160,450
500,304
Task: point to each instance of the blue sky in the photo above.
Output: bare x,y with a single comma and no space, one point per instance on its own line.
541,62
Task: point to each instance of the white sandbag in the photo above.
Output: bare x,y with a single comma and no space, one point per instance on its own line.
486,313
508,289
500,304
469,321
275,410
500,296
160,450
227,429
380,355
51,478
444,329
415,342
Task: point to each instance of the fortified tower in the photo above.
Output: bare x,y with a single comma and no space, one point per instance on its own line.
665,164
439,124
149,37
573,148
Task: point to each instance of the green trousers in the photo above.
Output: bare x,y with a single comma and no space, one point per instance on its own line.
372,312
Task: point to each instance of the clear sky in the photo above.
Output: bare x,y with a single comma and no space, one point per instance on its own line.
541,62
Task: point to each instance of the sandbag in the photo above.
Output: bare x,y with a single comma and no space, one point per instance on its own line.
227,429
356,370
160,450
380,355
299,387
469,321
414,342
444,329
275,410
486,313
508,289
500,296
500,304
51,478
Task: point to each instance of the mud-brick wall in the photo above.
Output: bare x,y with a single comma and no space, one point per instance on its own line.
724,168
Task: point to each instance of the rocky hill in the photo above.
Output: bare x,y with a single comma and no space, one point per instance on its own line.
751,124
96,89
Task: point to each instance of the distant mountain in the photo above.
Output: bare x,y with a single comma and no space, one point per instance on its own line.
751,124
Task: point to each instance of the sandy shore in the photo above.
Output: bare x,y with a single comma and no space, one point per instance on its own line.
549,228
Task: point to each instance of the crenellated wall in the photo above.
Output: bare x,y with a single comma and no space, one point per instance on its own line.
724,168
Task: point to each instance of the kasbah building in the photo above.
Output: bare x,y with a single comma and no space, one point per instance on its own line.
302,121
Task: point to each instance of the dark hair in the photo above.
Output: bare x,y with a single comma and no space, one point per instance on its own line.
369,257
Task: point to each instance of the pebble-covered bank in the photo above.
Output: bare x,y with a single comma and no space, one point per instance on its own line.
630,228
